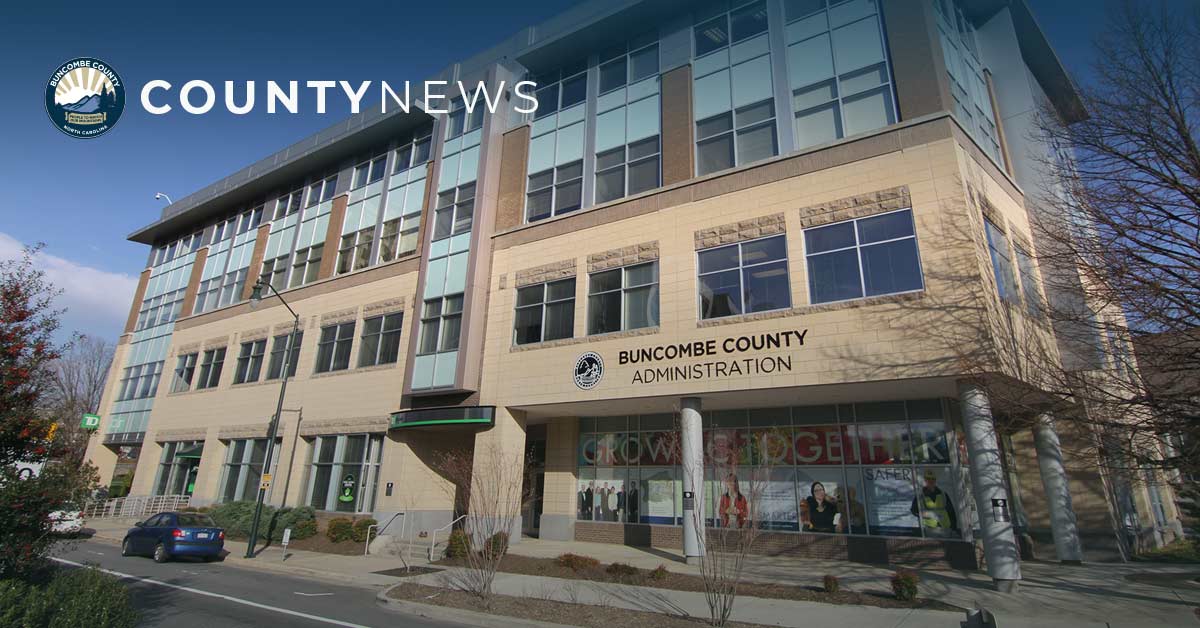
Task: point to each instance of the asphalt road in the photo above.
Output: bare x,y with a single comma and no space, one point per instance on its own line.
208,595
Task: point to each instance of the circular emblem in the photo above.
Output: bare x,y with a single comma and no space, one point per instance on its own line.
85,97
589,369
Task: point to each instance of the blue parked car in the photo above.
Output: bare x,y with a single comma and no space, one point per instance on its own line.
170,534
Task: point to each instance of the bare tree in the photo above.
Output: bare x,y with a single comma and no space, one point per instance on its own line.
77,382
1121,223
735,522
488,487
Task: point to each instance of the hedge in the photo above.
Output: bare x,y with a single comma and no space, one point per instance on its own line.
237,518
73,598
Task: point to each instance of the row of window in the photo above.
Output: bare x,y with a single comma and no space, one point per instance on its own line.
224,228
857,258
140,382
160,309
379,344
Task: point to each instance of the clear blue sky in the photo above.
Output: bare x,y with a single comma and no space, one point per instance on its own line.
83,197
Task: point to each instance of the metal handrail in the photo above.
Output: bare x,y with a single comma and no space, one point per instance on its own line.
367,548
433,535
134,505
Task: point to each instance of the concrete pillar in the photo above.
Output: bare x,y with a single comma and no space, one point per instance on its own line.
991,495
691,454
1058,493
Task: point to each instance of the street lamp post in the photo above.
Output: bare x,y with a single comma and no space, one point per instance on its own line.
255,298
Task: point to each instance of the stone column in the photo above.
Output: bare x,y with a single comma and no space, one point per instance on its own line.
692,460
1058,493
991,495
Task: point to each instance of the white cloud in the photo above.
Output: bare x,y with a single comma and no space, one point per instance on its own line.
97,301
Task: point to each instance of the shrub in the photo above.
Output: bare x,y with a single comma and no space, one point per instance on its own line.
575,562
237,518
458,545
498,544
361,529
305,529
904,585
73,598
831,584
339,529
292,518
659,573
622,571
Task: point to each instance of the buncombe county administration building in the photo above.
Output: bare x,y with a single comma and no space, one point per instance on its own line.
767,230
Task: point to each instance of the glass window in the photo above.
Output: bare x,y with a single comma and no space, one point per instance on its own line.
243,468
381,340
1029,283
185,369
734,138
627,170
455,211
441,324
1002,265
278,349
210,368
354,252
554,192
545,311
623,298
743,278
307,265
249,362
344,472
333,348
864,257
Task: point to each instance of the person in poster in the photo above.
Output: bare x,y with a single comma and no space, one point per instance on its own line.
733,503
821,510
632,503
934,508
613,505
854,514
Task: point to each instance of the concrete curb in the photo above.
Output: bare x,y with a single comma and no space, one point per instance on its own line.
458,615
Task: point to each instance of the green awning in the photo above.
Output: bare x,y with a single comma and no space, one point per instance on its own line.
472,416
193,451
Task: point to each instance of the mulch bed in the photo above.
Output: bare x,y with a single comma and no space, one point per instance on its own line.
548,610
316,543
549,567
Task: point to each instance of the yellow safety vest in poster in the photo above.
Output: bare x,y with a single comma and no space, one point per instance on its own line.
936,515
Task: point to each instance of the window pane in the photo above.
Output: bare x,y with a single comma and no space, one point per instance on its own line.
574,91
719,258
528,326
429,335
757,143
567,197
758,112
714,125
818,126
828,238
451,329
834,276
610,185
612,75
368,350
604,313
868,111
641,274
795,9
643,175
605,281
720,294
749,21
711,35
885,227
715,155
765,250
767,287
529,295
610,158
643,63
538,205
891,267
641,307
560,320
443,223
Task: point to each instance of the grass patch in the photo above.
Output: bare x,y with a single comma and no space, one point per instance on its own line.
1181,551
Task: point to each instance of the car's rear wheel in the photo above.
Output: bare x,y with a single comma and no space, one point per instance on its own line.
126,548
160,554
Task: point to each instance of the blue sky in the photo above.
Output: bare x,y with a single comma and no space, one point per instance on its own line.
82,198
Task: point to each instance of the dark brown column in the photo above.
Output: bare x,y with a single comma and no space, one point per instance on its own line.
333,236
677,138
256,259
423,230
514,159
918,66
189,295
136,307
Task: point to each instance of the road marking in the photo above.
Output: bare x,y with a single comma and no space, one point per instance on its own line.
229,598
96,553
311,594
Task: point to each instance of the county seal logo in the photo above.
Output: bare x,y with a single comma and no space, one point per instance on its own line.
85,97
589,368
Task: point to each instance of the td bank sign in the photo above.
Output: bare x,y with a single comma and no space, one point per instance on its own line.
750,355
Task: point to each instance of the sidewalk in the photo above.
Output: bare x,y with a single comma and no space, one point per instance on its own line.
1051,595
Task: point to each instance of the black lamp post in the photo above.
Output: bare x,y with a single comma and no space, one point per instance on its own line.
255,298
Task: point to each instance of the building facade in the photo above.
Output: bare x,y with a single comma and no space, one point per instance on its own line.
772,243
